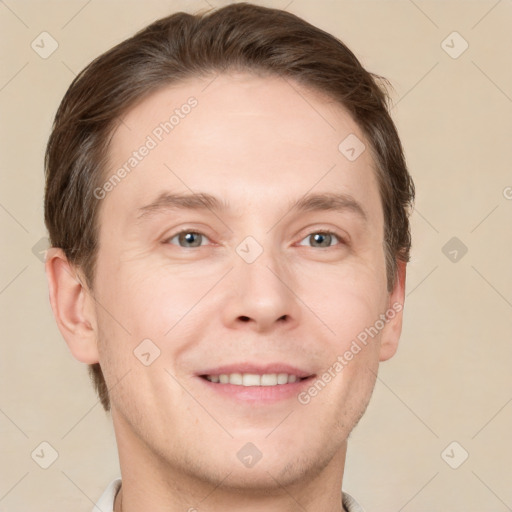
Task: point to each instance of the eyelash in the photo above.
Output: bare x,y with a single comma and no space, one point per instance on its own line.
322,231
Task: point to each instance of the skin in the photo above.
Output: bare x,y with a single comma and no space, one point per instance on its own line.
257,143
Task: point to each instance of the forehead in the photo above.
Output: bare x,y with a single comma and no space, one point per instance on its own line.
251,140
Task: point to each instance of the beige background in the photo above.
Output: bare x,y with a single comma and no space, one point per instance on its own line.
451,378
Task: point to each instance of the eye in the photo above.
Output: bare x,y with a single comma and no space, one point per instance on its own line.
323,238
188,239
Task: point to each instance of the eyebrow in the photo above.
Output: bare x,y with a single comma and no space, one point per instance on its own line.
326,201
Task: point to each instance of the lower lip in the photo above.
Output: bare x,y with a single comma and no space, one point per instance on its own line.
265,394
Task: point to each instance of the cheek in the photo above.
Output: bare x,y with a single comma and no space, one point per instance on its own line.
144,299
349,303
147,309
346,299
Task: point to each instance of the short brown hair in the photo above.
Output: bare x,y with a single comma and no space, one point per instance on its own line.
242,37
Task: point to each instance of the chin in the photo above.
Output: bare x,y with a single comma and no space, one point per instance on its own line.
267,464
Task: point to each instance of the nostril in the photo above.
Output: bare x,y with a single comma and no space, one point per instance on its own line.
244,318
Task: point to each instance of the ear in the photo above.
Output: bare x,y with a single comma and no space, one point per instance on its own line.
73,306
393,329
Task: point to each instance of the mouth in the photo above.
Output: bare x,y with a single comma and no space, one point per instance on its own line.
252,383
254,379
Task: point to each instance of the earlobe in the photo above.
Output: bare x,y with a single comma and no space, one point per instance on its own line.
393,329
71,303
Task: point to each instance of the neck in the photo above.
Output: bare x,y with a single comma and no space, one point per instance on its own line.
150,483
118,503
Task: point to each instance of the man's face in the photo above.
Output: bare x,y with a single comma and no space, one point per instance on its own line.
255,287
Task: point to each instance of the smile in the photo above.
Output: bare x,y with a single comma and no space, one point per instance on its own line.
253,379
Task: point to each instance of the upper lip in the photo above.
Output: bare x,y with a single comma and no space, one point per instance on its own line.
257,369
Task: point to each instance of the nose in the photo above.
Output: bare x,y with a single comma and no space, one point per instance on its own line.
261,295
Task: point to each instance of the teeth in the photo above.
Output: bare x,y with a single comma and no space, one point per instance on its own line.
282,378
249,379
252,379
236,378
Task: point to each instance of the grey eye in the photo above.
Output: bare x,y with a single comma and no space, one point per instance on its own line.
188,239
322,239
